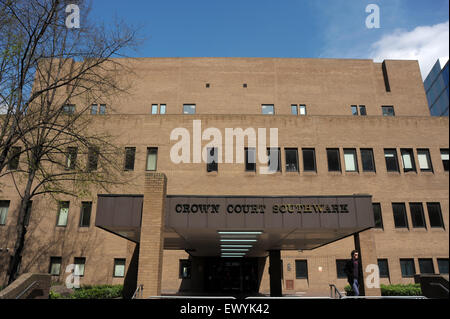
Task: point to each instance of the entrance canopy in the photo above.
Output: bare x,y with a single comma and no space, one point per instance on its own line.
210,225
238,226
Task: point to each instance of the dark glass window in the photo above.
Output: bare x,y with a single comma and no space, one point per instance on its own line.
268,109
388,111
274,163
71,157
94,109
362,110
408,268
383,267
14,156
354,110
119,267
55,266
294,109
409,163
130,154
400,218
85,216
443,265
426,266
4,207
291,155
340,268
152,158
250,159
301,269
334,163
185,269
377,215
69,109
367,159
445,158
391,160
417,216
93,158
189,109
102,109
212,159
424,158
435,215
309,160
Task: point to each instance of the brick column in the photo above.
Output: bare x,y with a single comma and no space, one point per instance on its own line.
365,244
152,240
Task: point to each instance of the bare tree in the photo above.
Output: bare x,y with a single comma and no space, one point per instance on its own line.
50,75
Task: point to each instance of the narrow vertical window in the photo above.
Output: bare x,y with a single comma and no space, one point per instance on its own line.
445,159
294,110
79,266
268,109
71,158
162,109
119,267
309,159
55,266
408,268
212,159
354,110
152,157
274,163
334,163
409,164
302,108
85,216
400,218
130,153
4,207
377,215
424,158
93,158
435,215
185,269
154,108
367,159
63,214
390,156
291,155
102,109
250,159
94,109
351,163
383,266
14,156
362,110
417,215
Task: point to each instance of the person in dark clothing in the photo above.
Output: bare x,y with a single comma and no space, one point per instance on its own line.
352,271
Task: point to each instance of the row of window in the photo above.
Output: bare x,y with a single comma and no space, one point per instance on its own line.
407,266
435,219
95,109
79,266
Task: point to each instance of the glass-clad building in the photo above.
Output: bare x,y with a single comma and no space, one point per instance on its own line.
436,87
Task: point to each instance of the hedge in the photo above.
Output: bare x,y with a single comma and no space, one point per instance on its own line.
395,290
92,292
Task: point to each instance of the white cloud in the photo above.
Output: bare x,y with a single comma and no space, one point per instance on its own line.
425,44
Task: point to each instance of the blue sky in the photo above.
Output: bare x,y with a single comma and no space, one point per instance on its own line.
273,28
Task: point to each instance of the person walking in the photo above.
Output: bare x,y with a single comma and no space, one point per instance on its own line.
352,271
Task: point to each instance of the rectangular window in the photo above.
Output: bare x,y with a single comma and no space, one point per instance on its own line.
294,110
94,108
301,269
4,207
119,267
334,163
55,266
426,266
390,156
400,218
367,159
212,159
424,158
130,154
291,155
274,163
408,268
152,158
93,158
309,159
417,216
351,163
354,110
443,266
250,159
79,266
435,215
445,158
268,109
408,160
302,109
14,156
154,108
71,158
388,111
102,109
162,109
69,109
377,215
185,269
362,110
383,267
63,214
188,108
340,268
85,216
